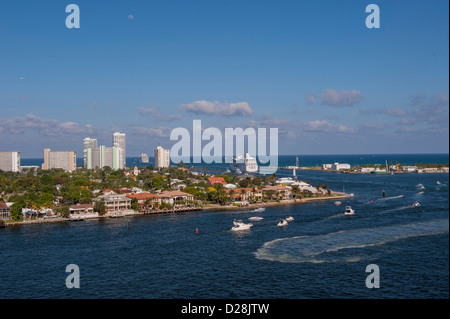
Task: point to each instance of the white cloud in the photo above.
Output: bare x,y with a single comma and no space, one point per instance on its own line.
216,108
154,112
46,127
332,97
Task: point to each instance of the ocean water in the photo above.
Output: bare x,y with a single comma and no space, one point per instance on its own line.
321,254
304,160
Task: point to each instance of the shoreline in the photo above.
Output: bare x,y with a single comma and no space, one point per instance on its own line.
269,204
209,207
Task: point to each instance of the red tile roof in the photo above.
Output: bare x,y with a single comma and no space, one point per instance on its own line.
3,206
142,196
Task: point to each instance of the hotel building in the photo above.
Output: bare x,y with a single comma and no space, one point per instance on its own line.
10,161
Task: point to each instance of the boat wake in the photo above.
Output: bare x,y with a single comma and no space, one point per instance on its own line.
393,197
346,245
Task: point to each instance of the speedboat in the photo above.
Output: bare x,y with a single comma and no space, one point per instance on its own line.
416,204
259,210
289,219
256,218
338,203
282,223
239,225
438,182
349,211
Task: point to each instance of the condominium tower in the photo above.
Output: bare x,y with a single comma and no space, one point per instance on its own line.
162,157
119,141
10,161
66,160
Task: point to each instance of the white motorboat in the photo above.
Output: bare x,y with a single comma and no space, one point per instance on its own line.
349,211
338,203
289,219
282,223
416,204
438,182
255,218
239,225
259,210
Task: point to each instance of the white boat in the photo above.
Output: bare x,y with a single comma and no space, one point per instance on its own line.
338,203
438,182
349,211
256,218
282,223
144,158
289,219
247,164
416,204
259,210
239,225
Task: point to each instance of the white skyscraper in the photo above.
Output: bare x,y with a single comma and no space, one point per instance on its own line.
88,143
10,161
162,157
119,141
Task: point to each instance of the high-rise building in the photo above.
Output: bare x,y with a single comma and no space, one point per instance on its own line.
162,157
119,141
88,143
10,161
66,160
100,157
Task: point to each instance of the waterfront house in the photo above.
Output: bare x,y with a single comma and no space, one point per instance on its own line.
214,180
82,210
239,194
144,198
277,191
171,197
115,202
5,211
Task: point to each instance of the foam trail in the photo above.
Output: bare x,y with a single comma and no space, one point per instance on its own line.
346,245
393,197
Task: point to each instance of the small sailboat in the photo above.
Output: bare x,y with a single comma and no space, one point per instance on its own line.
349,211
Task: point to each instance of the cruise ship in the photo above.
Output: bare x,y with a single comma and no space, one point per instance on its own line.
144,158
245,164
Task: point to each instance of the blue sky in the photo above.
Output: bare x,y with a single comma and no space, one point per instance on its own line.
310,68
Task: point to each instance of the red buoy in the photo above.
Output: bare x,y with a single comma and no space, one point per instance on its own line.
196,230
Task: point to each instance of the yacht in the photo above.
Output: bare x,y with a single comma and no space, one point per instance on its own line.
144,158
247,164
239,225
349,211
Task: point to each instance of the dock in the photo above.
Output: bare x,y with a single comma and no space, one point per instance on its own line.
174,210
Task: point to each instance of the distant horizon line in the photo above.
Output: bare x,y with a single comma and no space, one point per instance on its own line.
342,154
